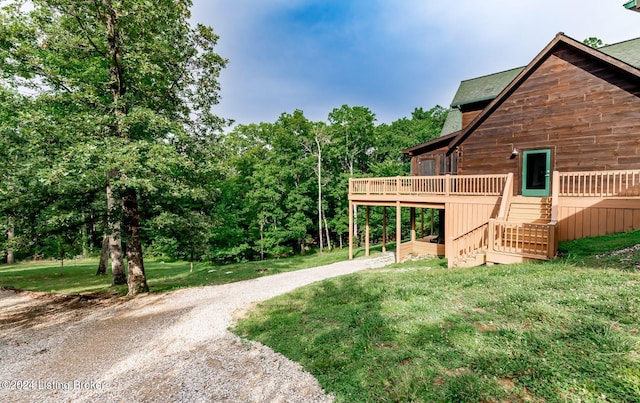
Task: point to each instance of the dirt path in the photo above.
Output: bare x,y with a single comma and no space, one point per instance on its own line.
77,350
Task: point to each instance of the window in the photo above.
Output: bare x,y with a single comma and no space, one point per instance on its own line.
428,167
438,164
449,164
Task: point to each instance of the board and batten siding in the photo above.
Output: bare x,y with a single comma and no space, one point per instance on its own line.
590,216
586,111
462,217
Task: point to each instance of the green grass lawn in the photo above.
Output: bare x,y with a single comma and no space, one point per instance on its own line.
78,277
560,331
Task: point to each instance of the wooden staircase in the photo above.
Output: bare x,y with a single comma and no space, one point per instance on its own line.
533,210
525,234
525,228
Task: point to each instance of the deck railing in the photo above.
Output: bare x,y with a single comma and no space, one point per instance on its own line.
600,183
447,185
467,244
525,239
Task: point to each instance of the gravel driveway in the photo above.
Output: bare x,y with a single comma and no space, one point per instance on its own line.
161,347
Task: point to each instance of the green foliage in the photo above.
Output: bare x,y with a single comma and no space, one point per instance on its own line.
120,88
593,42
268,205
127,91
418,332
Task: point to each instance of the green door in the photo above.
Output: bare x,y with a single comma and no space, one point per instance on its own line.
536,173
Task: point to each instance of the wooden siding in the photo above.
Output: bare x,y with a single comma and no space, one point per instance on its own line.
468,116
461,217
584,217
586,112
416,161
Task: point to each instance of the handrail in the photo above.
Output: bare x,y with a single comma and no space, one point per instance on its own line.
472,241
525,239
599,183
507,194
459,185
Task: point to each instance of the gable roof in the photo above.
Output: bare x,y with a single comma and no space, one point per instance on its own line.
452,123
624,55
488,87
531,67
483,88
627,51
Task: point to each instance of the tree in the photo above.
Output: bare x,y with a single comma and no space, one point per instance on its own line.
134,77
314,147
593,42
352,136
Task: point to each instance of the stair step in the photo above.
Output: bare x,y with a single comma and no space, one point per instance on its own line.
472,261
530,210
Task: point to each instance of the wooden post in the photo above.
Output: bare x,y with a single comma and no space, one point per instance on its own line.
555,192
432,222
384,229
366,233
448,252
422,223
398,230
413,224
447,184
492,236
350,230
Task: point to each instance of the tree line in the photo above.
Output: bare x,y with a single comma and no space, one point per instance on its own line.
110,143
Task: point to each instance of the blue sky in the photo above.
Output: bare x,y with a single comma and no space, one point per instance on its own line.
388,55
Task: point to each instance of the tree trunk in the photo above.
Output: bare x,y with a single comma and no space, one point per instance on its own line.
115,241
355,222
137,280
326,228
319,193
104,256
261,240
118,90
83,236
10,237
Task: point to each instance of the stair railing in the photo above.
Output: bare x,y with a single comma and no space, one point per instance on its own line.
468,244
507,194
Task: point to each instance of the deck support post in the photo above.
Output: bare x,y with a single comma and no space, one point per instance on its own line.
413,224
422,223
350,230
398,230
366,233
432,221
384,229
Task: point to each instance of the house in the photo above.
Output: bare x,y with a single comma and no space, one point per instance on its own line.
633,5
527,157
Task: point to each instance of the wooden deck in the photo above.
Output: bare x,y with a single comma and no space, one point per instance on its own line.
485,222
416,188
